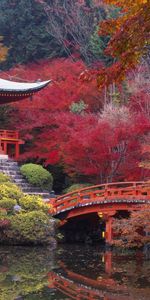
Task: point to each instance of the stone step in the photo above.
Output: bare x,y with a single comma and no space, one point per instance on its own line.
32,189
8,164
12,169
11,172
17,175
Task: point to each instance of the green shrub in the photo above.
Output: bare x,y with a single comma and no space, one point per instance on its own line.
30,203
4,178
4,219
10,191
30,225
37,175
75,187
3,212
33,226
7,203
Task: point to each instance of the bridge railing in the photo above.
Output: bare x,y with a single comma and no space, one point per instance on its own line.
71,289
103,192
9,134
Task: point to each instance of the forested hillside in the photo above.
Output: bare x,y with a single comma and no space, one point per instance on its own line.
93,122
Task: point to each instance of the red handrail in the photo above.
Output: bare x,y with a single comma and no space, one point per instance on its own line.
117,191
9,134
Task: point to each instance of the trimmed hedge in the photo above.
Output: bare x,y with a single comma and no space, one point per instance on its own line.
37,175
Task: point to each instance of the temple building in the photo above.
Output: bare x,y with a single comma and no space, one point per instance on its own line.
11,92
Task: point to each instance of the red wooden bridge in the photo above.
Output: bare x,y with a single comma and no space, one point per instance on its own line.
104,199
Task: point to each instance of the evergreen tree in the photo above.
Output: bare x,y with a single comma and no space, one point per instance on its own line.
23,26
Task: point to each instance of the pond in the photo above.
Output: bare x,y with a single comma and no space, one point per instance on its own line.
73,272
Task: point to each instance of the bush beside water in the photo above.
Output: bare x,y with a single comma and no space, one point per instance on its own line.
30,224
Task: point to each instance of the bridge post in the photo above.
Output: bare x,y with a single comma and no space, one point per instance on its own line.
108,227
108,262
108,231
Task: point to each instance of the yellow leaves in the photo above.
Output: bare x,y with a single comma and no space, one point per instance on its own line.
3,53
145,164
3,50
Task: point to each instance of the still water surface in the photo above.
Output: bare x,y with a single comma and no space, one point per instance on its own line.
73,272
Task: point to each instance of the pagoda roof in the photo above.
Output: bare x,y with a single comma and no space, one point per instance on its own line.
11,91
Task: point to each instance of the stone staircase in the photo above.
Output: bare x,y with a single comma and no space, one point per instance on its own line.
11,168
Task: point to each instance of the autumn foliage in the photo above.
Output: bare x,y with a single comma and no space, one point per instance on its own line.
129,38
70,124
93,135
138,224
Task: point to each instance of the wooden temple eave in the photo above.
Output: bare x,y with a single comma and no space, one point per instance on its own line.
16,91
11,92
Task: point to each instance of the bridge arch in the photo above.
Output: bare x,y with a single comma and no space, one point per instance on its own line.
105,200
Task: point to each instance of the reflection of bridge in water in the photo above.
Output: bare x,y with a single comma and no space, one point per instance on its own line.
105,200
80,287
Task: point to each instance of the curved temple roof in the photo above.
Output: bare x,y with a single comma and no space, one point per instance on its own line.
14,91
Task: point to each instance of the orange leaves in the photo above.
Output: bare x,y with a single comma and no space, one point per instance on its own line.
133,232
130,35
127,3
112,74
109,26
3,51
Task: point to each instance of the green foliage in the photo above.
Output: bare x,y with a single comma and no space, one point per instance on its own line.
3,212
37,175
98,45
8,204
78,107
33,226
4,219
75,187
4,178
24,27
9,190
31,33
30,203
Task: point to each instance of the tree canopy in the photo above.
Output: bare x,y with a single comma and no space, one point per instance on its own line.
129,38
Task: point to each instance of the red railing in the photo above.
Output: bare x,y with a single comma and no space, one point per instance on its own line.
9,134
103,193
72,289
79,287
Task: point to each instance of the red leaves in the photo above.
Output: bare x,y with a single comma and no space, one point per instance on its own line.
104,145
133,232
99,148
129,38
4,223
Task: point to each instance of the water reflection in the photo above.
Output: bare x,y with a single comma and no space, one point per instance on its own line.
72,272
